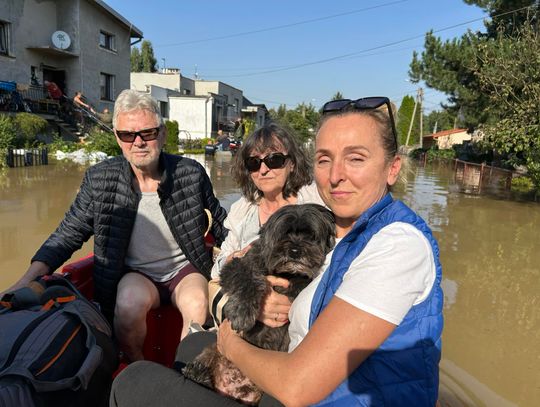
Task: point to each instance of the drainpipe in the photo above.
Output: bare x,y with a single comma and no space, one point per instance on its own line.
206,116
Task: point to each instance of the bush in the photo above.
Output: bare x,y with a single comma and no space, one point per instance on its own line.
522,184
171,143
28,126
100,140
435,153
63,145
8,132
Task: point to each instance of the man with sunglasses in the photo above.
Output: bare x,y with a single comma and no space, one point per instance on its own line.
147,211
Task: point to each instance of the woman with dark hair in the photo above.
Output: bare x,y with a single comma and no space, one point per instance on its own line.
272,170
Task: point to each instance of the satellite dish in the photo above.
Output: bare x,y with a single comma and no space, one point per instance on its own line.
61,40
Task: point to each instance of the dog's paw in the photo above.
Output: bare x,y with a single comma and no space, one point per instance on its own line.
242,315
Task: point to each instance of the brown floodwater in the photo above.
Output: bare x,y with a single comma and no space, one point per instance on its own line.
489,248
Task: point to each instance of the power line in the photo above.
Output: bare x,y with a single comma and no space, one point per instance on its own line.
351,54
280,27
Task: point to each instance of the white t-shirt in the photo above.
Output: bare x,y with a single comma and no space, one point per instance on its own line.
395,271
243,224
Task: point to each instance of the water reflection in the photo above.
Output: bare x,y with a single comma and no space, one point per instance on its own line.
490,259
488,249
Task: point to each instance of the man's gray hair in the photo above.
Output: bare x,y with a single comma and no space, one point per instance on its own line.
130,99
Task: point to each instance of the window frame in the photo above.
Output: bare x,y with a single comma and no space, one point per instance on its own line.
109,42
106,90
5,38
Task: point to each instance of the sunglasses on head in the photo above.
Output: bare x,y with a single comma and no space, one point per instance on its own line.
145,134
369,103
272,161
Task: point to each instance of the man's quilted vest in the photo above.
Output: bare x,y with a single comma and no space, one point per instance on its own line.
404,370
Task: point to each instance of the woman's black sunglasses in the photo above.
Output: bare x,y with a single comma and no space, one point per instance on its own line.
369,103
272,161
130,136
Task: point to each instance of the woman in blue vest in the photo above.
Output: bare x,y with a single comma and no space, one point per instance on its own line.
367,331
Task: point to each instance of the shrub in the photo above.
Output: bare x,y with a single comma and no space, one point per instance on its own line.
63,145
8,132
522,184
171,143
435,153
100,140
28,126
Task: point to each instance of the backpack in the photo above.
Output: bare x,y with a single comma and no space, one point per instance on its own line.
55,347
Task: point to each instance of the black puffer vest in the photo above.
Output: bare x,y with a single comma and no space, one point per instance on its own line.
106,206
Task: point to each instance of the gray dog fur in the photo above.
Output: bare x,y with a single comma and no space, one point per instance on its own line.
292,244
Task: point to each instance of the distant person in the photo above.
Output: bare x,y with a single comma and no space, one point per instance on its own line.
81,109
53,90
146,211
239,129
78,101
106,117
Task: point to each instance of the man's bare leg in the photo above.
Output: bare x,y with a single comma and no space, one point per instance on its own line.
191,298
135,297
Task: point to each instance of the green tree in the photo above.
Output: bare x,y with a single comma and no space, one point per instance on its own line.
338,95
303,119
451,66
136,60
438,120
405,113
171,143
147,57
507,14
509,73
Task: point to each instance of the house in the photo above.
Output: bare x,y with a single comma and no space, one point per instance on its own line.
81,45
256,112
446,139
200,107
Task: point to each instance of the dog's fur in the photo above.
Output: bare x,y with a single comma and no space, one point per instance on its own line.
292,244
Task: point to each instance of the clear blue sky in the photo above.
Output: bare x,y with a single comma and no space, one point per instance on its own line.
299,51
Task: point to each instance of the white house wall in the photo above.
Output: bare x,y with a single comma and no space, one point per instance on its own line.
139,80
194,116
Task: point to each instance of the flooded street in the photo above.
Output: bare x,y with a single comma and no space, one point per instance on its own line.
489,250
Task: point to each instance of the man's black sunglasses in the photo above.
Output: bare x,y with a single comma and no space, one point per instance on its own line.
272,161
369,103
130,136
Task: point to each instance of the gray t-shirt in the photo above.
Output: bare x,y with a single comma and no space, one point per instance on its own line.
152,249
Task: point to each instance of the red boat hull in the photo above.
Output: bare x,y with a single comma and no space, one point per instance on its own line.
164,324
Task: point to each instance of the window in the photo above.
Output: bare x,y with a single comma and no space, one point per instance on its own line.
107,41
4,38
236,105
107,86
164,108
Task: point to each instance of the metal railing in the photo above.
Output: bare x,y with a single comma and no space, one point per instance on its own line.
22,157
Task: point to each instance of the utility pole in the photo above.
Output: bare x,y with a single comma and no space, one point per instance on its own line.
421,101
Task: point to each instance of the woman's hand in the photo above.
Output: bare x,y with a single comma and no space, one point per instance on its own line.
238,253
226,337
275,307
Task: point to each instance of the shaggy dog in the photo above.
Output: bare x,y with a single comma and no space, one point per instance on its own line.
292,244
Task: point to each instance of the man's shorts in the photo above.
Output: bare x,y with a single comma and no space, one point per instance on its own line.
166,288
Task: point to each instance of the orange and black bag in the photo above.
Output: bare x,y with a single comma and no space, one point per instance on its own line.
56,348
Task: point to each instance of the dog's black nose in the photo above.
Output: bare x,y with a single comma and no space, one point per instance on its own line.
294,253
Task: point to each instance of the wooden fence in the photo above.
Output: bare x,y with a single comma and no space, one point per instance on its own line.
477,177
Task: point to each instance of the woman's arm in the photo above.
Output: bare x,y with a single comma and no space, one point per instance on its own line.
341,338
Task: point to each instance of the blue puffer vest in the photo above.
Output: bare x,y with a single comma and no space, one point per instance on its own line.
404,370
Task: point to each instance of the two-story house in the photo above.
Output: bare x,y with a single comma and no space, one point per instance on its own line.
81,45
